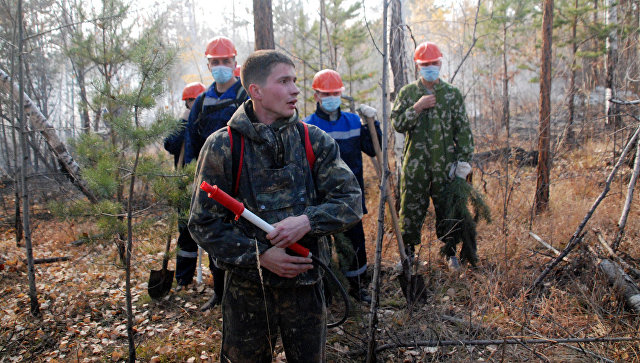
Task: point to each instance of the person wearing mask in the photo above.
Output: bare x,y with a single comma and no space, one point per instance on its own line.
267,290
186,257
353,138
438,148
210,112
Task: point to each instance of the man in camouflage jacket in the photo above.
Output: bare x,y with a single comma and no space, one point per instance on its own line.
266,289
438,147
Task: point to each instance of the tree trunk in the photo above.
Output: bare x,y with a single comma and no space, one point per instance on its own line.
571,103
263,25
84,102
129,301
5,141
505,83
33,295
400,77
320,33
544,161
611,109
41,124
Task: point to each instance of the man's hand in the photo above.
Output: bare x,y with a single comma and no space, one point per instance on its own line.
424,103
289,231
280,263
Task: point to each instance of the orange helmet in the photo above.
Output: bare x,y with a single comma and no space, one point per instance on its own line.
192,90
220,47
327,80
427,52
236,72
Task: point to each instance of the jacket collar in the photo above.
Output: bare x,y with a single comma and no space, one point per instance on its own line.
245,121
324,115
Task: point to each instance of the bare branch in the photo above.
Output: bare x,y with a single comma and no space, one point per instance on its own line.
474,39
577,235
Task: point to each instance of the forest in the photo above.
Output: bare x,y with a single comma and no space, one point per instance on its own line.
90,201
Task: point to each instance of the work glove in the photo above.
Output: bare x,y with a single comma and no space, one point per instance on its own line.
367,111
460,169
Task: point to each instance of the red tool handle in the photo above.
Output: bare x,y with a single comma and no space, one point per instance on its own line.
237,208
223,198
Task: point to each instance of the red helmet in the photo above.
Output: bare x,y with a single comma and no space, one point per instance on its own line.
220,47
236,72
427,52
327,80
192,90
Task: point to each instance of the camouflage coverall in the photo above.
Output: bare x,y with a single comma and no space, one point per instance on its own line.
434,140
276,182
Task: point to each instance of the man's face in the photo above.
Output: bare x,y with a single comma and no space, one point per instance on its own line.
279,94
227,62
189,102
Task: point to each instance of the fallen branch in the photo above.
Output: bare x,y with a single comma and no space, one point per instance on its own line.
627,204
449,343
569,346
41,124
545,244
577,235
38,261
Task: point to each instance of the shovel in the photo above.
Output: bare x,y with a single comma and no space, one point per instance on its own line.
160,281
412,285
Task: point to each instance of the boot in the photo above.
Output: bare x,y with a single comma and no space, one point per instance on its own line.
357,291
453,263
213,301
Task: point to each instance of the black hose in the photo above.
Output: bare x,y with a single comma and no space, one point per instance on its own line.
345,297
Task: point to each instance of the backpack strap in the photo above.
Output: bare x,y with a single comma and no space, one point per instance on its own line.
237,155
306,141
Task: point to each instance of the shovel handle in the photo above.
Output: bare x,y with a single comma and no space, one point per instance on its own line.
238,209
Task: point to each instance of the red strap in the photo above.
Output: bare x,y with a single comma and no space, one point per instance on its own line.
311,157
237,186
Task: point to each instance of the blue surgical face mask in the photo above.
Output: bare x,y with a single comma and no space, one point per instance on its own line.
221,74
330,103
430,73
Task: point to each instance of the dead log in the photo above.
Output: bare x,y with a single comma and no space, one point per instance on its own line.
41,124
622,283
38,261
518,154
632,271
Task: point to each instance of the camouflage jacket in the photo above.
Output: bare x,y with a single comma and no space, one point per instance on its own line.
440,135
276,182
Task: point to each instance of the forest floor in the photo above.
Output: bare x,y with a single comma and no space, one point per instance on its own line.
83,305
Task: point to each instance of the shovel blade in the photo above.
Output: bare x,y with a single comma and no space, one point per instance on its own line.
413,287
160,282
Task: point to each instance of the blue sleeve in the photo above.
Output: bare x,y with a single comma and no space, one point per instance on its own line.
189,152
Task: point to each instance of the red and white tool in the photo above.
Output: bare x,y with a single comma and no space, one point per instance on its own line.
239,210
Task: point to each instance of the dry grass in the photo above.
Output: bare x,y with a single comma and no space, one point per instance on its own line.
83,298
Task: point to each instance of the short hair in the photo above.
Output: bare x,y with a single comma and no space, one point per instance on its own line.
257,67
